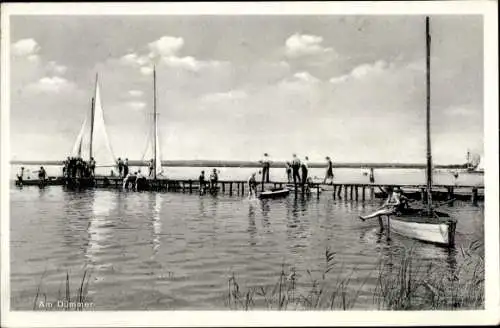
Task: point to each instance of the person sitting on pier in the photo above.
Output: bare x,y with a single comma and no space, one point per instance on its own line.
296,169
92,167
404,202
329,170
201,180
391,205
252,186
213,180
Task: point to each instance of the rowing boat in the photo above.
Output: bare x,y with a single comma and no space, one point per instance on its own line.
417,224
274,193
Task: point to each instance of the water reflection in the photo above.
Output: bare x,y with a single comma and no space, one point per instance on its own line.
155,201
101,227
297,225
266,209
252,228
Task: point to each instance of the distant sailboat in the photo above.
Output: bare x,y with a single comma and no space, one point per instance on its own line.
92,141
153,143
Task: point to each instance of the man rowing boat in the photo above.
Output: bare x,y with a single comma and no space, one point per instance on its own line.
394,203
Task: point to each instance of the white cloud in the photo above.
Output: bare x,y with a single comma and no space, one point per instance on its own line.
299,45
362,71
224,96
25,48
55,68
53,84
135,93
305,77
166,46
146,70
136,105
300,80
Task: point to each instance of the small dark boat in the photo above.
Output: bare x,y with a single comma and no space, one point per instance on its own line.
274,193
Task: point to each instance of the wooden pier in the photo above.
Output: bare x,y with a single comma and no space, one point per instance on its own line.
345,191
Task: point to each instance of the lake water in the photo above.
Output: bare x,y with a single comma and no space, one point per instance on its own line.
162,251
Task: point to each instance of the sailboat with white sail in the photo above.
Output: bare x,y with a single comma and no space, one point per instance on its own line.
425,224
93,141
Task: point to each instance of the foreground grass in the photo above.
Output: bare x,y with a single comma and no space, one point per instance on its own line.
66,299
404,286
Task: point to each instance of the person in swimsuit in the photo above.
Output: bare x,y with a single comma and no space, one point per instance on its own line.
266,164
305,169
92,167
391,205
20,176
120,167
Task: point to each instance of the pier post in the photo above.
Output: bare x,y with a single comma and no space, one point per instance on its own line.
345,191
223,187
422,195
474,196
350,192
317,186
372,192
190,186
363,193
334,190
242,189
356,191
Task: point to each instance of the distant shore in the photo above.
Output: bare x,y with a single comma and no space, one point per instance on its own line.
278,164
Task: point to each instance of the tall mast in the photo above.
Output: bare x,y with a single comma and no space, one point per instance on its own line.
92,115
154,121
428,114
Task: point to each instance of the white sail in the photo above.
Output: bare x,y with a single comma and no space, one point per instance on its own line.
94,131
149,153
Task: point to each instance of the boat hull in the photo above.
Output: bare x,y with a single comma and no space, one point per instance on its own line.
274,194
436,233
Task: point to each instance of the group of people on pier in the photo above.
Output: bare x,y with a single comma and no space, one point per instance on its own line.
297,171
211,183
76,167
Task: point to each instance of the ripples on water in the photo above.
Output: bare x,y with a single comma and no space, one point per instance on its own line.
177,251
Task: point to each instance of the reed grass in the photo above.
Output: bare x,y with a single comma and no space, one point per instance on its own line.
79,295
406,285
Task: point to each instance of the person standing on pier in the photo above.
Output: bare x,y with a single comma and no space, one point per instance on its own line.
329,170
213,180
296,169
120,167
20,176
266,164
372,177
288,169
151,167
305,169
201,180
42,175
125,167
252,186
92,167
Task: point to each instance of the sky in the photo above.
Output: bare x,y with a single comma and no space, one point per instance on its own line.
234,87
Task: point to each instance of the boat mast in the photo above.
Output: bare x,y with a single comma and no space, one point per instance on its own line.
92,114
154,121
428,115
